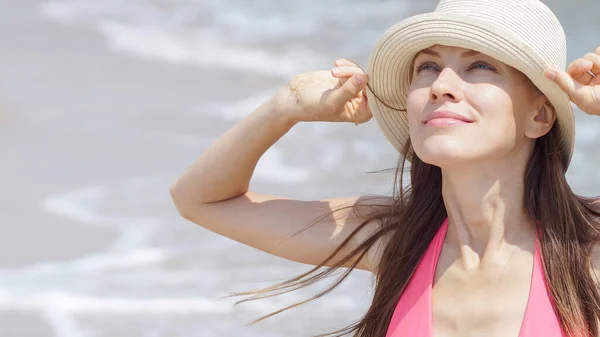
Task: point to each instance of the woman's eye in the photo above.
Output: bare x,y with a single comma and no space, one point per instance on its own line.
476,65
425,67
479,65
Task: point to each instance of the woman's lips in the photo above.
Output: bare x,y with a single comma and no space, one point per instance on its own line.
445,121
446,118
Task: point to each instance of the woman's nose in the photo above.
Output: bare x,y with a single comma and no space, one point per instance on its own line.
447,87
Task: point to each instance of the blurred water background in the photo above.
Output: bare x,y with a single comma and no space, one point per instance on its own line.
103,103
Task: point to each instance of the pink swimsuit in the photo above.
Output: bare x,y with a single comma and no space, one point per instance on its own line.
413,314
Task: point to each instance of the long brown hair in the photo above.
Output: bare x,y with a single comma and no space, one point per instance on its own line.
570,227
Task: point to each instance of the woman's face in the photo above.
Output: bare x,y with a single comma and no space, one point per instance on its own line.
465,106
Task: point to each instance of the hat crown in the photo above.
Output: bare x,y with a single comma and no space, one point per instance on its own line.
529,21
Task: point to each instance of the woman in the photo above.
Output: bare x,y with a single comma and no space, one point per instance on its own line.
488,240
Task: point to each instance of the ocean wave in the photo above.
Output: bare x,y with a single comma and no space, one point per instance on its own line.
267,37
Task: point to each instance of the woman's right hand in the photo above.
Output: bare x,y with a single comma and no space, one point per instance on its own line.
337,95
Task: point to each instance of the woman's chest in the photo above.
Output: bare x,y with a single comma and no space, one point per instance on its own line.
489,301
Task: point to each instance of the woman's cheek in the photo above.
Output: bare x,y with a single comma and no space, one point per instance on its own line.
490,99
416,102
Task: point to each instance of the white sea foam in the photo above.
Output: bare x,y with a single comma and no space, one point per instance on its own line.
238,109
62,290
71,303
228,34
64,324
83,205
271,168
150,38
205,50
99,263
76,204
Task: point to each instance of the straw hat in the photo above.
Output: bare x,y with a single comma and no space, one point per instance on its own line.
524,34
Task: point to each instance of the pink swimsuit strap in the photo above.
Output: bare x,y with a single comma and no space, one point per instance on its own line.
413,313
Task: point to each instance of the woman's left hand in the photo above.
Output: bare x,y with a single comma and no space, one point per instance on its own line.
578,82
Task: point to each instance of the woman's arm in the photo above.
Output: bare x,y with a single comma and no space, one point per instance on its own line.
214,191
224,170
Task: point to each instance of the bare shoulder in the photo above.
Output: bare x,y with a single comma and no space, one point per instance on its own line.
367,205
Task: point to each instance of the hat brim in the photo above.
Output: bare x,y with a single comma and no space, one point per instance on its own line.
389,67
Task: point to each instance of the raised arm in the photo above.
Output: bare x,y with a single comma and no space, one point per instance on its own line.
214,191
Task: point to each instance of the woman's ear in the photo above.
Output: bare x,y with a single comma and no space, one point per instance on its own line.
541,123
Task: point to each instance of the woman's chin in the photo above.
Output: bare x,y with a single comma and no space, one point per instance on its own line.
444,153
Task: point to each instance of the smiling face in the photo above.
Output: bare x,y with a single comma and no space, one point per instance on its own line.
464,106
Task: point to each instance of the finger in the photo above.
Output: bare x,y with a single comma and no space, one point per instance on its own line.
595,59
597,50
362,113
580,70
348,90
365,113
566,83
343,62
345,71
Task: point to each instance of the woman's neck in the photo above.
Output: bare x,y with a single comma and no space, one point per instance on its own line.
486,211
